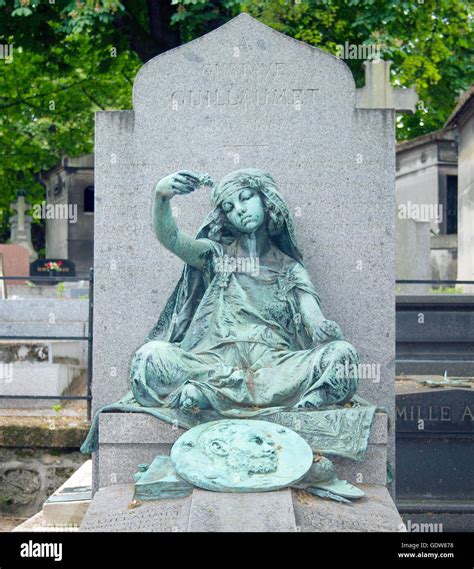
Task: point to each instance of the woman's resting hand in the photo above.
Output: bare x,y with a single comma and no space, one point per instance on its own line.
326,331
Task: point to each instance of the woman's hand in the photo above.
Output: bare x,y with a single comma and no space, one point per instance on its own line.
326,331
190,250
179,183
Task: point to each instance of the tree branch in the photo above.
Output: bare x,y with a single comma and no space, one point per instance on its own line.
92,99
127,77
24,99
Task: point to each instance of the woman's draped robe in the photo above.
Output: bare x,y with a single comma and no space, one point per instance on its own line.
247,345
239,336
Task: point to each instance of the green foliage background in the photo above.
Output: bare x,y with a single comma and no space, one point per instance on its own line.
73,58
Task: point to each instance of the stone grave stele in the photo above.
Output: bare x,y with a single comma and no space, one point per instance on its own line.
241,96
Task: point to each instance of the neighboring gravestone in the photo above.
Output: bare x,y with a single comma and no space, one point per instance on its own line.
245,95
435,426
15,263
413,254
52,268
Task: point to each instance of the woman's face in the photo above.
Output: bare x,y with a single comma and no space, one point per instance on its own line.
245,210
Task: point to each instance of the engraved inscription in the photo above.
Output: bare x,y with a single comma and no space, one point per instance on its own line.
442,413
195,98
245,70
161,519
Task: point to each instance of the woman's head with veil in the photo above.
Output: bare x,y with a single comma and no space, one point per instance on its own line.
246,200
242,205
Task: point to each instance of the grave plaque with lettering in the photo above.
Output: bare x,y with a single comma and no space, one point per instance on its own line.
435,436
52,268
114,510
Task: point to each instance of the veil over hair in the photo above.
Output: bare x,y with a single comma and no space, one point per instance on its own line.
181,305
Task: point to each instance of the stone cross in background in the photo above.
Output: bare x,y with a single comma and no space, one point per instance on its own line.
378,92
21,226
413,237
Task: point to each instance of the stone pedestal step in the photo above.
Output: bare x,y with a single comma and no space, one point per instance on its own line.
113,510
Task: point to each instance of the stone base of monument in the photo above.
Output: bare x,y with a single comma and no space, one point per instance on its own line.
68,504
129,439
113,510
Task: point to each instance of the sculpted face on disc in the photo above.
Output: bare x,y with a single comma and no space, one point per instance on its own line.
241,456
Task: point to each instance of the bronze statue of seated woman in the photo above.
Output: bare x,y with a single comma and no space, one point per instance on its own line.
243,329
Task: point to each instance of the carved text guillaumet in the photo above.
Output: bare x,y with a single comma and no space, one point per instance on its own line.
241,97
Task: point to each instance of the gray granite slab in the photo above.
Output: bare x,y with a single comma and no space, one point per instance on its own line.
203,511
137,428
129,439
374,513
44,330
44,309
253,512
245,95
111,510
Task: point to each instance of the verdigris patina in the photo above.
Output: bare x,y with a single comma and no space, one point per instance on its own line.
243,335
241,456
159,481
243,329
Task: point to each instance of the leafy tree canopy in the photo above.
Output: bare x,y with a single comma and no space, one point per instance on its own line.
63,60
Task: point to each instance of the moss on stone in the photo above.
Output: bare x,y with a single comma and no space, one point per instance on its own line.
25,453
56,452
41,432
5,500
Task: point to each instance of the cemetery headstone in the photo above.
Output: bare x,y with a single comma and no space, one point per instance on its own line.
52,268
244,96
413,254
435,425
21,226
15,262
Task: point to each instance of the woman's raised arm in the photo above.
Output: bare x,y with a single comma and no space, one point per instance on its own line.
190,250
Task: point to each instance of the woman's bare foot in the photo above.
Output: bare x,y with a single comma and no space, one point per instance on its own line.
192,399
